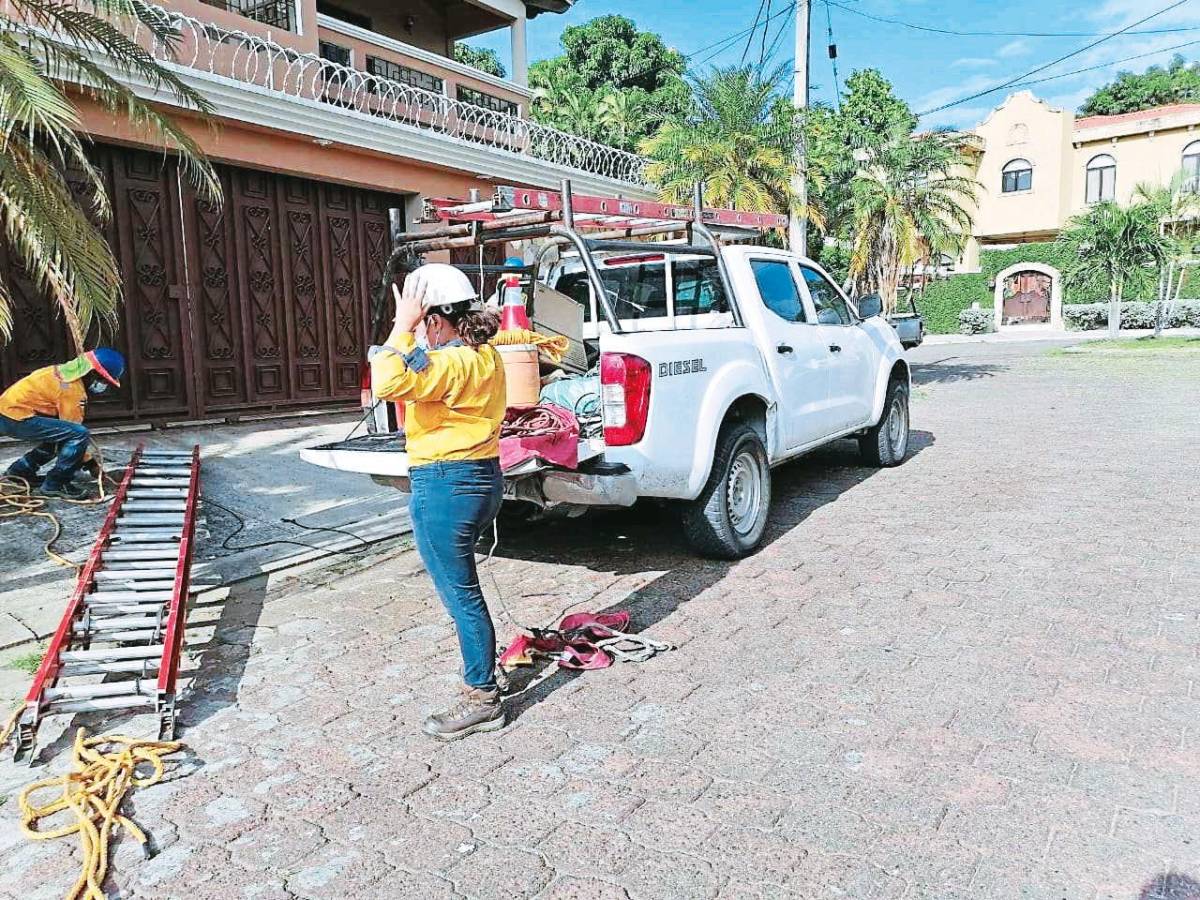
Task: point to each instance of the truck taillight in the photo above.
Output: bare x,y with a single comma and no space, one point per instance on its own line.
624,397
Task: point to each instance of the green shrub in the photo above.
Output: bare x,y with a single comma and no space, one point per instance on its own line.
976,321
944,300
1094,316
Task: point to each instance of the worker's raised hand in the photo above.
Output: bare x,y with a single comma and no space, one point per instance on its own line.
410,306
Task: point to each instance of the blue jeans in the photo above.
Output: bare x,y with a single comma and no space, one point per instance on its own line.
56,437
453,503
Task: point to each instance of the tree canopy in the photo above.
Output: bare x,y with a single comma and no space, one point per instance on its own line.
1179,82
482,58
612,83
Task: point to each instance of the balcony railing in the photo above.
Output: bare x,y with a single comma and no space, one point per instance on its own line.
276,13
262,62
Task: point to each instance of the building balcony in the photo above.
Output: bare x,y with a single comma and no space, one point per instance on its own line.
357,77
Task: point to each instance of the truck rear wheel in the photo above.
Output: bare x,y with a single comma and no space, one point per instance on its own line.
886,443
728,519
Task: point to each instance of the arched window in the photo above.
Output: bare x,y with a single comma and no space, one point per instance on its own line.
1016,175
1191,167
1101,179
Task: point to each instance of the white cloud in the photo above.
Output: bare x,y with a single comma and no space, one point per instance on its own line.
973,62
1019,47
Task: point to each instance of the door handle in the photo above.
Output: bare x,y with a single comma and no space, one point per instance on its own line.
834,348
783,348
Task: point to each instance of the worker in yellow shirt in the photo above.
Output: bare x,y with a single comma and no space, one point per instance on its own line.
454,394
47,406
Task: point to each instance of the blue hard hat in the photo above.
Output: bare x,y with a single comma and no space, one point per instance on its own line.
109,364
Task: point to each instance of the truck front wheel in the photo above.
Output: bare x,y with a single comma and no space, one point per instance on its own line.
886,444
728,519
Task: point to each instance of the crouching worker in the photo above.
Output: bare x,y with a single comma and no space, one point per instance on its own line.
454,396
47,407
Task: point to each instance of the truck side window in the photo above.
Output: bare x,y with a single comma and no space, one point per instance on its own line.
778,288
698,287
831,308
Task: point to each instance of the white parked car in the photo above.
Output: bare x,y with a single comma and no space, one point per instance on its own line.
705,388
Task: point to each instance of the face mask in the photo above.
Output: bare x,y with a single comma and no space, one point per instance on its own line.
96,388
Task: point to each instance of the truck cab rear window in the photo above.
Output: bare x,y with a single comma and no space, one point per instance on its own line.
640,291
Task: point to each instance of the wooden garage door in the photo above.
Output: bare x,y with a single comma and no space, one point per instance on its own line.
258,303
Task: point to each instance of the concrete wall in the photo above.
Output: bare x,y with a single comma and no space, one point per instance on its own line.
1153,157
1024,128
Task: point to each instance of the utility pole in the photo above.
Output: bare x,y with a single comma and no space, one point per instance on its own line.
798,225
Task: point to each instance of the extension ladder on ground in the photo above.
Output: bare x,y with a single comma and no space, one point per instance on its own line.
127,614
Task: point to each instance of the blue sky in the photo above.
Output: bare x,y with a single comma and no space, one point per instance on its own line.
929,70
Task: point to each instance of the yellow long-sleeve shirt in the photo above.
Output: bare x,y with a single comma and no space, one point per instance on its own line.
454,397
43,393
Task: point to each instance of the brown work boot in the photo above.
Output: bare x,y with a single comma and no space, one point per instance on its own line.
476,710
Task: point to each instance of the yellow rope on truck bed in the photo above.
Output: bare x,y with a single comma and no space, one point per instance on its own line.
103,769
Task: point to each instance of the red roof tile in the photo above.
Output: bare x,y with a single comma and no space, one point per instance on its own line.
1141,115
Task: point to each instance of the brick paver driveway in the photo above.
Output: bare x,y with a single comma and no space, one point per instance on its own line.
972,676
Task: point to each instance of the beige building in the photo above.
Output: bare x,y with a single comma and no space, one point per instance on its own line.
1037,166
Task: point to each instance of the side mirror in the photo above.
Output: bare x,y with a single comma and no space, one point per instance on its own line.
870,305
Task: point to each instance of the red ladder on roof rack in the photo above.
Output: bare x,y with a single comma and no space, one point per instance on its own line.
130,598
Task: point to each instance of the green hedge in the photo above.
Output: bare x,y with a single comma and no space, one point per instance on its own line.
944,300
1050,253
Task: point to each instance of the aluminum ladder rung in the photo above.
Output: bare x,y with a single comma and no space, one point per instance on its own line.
93,624
131,701
152,493
159,483
139,575
144,667
110,654
134,634
162,567
125,596
122,609
170,506
146,553
92,691
156,536
161,520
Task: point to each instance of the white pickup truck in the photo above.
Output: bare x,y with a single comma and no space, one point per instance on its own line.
713,368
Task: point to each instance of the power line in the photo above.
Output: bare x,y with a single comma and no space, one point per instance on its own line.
1106,65
1054,62
837,84
728,41
753,28
1029,34
762,53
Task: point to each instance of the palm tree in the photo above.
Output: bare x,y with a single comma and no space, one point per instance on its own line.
623,115
739,140
52,51
908,199
1177,206
1115,246
570,107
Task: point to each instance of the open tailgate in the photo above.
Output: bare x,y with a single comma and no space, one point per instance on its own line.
369,454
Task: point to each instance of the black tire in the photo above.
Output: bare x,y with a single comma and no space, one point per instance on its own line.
885,444
740,478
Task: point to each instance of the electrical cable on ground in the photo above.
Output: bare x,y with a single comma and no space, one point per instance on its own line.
242,523
1054,62
103,771
1029,34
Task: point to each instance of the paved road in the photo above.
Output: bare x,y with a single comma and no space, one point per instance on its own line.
970,677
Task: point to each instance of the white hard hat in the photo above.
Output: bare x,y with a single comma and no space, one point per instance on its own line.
445,287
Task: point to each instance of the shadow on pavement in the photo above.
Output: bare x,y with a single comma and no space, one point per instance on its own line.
947,371
616,542
1171,886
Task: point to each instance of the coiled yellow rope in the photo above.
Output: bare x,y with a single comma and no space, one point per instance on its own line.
17,499
104,769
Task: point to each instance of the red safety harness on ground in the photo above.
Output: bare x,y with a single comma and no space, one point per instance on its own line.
583,641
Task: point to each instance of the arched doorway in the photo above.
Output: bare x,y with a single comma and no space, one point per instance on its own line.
1028,294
